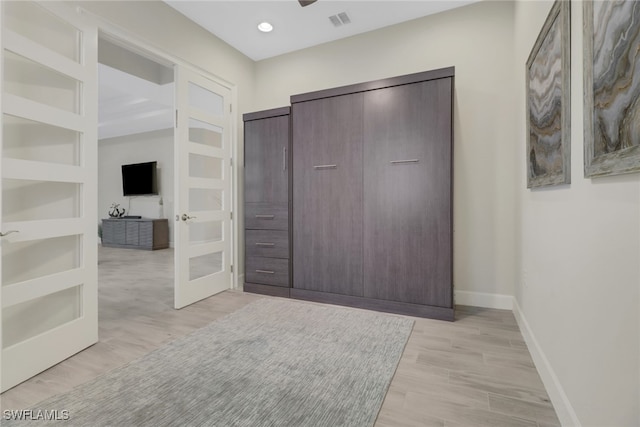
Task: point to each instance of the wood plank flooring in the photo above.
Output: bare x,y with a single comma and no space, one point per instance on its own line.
475,371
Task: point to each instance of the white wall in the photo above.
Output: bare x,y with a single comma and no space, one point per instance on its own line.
477,40
139,148
580,248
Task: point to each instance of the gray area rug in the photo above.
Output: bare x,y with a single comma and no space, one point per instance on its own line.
271,363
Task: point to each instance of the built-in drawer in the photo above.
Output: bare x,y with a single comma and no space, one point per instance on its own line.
267,271
266,216
267,243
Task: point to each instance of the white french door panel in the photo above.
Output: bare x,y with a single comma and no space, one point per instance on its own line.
42,171
41,287
27,109
203,239
24,47
48,146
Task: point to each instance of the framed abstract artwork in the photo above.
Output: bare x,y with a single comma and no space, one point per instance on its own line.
549,101
611,87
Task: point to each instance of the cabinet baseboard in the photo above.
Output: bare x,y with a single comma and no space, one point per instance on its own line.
441,313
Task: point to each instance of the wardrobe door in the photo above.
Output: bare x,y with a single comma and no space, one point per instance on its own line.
407,193
327,194
266,190
265,149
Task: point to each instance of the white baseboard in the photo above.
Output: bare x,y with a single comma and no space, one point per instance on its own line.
481,299
559,399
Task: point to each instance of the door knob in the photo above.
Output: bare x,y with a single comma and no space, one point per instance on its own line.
7,233
186,217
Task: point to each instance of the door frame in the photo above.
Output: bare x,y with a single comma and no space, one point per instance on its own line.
114,33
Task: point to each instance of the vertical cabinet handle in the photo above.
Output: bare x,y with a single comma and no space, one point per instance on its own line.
284,159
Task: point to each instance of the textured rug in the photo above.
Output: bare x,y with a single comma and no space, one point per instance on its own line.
272,363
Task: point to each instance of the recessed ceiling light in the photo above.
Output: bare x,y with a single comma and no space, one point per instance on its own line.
265,27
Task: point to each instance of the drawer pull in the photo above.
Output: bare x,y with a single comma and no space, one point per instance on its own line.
265,272
398,162
265,216
325,167
265,244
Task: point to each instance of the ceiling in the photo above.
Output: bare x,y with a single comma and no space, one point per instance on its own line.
128,104
296,27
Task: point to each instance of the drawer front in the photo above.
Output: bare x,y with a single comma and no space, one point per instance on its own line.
267,243
267,271
266,216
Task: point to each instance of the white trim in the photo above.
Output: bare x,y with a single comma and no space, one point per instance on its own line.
206,183
206,150
42,286
482,299
43,171
204,117
206,216
46,229
559,399
31,110
240,285
206,249
41,55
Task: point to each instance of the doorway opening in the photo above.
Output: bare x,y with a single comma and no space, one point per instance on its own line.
136,111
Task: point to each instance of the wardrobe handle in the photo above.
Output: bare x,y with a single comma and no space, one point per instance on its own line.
397,162
284,159
265,216
325,167
265,272
265,244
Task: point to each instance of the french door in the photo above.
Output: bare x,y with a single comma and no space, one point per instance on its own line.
48,218
203,188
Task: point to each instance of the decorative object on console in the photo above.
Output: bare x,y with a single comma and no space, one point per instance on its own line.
549,102
611,87
115,211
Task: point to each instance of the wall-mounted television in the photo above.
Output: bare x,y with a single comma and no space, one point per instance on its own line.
140,179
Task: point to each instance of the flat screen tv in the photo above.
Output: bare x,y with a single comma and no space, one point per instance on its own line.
139,179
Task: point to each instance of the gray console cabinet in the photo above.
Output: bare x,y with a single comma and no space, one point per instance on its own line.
144,233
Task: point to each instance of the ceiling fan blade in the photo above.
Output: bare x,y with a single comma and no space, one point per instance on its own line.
304,3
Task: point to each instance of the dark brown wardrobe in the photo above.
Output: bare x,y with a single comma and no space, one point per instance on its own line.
267,197
372,195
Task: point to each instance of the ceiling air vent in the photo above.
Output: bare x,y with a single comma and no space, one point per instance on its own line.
340,19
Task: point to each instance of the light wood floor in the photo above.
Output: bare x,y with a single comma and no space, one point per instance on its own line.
475,371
